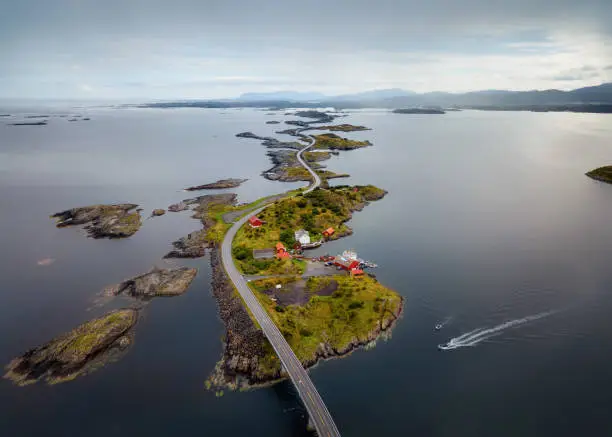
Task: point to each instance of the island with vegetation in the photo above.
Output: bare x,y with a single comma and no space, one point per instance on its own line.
345,127
271,142
84,349
320,316
603,174
220,184
103,221
418,111
336,142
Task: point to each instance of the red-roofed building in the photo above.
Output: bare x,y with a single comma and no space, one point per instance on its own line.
281,252
356,272
328,232
346,264
255,222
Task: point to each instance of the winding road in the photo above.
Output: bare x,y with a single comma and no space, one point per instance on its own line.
318,412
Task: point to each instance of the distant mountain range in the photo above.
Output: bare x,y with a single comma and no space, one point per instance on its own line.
589,99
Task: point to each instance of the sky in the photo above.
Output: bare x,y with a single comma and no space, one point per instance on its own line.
199,49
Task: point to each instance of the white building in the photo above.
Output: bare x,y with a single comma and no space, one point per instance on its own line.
302,236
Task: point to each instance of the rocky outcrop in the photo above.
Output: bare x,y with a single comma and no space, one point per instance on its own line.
158,212
83,349
221,183
102,221
193,245
272,121
157,282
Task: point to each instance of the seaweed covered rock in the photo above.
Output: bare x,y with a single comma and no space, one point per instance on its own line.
103,221
157,282
83,349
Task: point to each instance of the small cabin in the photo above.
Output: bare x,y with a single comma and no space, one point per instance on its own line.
328,232
255,222
281,251
302,236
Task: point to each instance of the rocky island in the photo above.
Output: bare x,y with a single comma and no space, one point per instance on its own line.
102,221
271,142
156,283
220,184
418,111
603,174
77,352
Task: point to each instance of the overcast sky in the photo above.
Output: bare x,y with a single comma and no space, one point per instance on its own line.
164,49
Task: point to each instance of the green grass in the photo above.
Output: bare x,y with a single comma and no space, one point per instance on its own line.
354,310
315,212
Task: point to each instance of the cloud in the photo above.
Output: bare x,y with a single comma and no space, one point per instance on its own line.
219,48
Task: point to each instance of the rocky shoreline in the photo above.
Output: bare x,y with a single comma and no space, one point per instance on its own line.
244,347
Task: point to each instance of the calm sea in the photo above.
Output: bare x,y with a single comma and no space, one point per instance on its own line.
489,219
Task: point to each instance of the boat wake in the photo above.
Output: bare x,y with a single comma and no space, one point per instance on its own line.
478,335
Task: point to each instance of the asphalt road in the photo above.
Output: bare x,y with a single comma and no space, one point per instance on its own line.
318,412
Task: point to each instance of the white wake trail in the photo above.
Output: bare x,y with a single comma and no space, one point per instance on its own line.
476,336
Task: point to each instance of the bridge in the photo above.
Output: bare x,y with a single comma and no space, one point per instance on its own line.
317,411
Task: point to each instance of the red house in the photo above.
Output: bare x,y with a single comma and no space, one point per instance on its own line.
328,232
281,252
356,272
255,222
346,264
